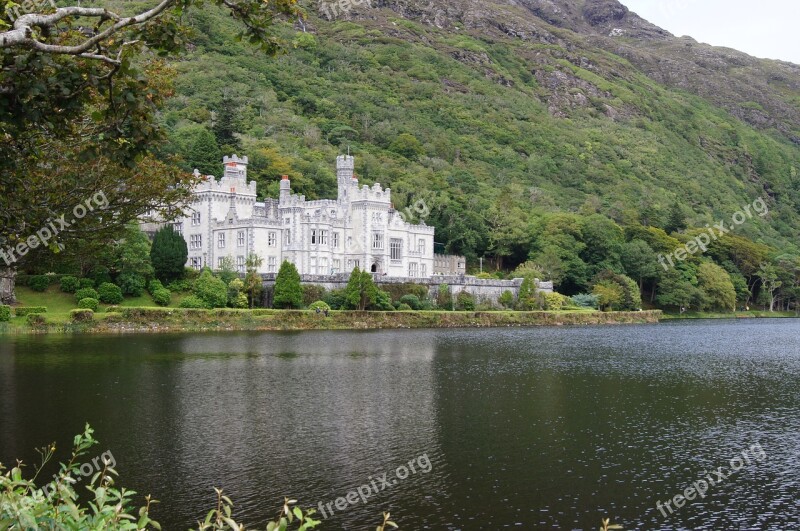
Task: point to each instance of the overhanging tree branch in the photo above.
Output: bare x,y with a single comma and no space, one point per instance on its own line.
22,34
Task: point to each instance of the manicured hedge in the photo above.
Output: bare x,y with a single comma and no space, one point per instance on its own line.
36,319
89,303
22,311
82,315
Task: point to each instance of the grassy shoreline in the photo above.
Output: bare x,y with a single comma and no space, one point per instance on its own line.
752,314
155,320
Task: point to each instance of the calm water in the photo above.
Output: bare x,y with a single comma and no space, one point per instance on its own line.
543,428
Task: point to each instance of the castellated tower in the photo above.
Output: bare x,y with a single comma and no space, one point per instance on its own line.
345,165
286,189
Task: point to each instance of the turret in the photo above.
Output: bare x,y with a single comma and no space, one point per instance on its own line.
286,189
345,165
235,166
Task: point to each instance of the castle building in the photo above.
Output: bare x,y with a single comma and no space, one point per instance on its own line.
359,228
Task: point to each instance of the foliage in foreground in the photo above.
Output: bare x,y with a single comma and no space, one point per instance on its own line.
55,505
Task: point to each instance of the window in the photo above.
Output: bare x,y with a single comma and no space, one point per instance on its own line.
323,267
421,245
195,219
240,238
423,270
196,262
352,264
240,264
313,265
377,240
313,236
272,239
337,266
395,248
221,240
271,263
178,227
288,236
323,237
412,269
219,262
335,240
196,241
287,221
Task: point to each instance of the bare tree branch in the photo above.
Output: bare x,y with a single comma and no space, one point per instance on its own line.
21,36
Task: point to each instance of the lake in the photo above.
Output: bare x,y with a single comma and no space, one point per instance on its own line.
535,428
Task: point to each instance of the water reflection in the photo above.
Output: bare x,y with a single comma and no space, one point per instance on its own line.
536,428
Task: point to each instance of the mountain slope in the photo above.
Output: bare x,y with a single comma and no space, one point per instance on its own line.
497,112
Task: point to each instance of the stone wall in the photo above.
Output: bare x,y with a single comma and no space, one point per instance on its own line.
483,290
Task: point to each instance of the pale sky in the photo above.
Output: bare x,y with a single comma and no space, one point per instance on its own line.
762,28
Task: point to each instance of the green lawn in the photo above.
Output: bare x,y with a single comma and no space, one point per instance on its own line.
58,302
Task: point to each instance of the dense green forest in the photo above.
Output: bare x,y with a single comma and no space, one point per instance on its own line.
542,153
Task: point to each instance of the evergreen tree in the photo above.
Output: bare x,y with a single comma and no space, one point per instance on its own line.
360,291
204,154
288,292
226,125
677,219
168,254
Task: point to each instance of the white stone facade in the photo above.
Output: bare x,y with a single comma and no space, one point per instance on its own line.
329,236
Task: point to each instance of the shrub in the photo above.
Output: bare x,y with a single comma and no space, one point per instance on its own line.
86,293
240,301
98,276
5,313
465,302
162,297
402,307
113,309
38,282
22,311
555,301
81,316
70,284
211,290
311,293
109,293
383,302
506,299
444,299
131,284
180,286
412,301
396,291
154,286
85,283
192,301
36,319
585,300
89,303
335,299
318,304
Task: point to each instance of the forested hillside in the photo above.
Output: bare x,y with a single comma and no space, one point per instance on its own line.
514,124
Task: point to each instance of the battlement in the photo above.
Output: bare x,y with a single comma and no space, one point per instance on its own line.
367,193
232,182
